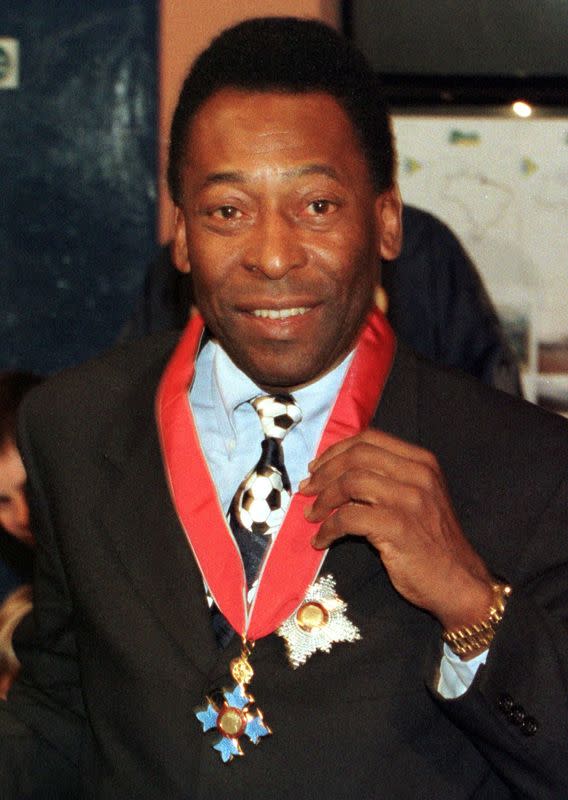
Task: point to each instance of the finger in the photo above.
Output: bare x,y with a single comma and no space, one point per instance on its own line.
361,455
366,488
380,439
356,519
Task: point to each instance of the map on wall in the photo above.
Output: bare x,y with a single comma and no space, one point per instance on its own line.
502,185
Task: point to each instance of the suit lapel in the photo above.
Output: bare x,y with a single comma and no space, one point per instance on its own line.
401,412
397,412
137,514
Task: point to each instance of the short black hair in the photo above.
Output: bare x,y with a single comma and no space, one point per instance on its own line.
289,55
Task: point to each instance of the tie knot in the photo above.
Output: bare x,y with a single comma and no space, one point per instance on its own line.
278,414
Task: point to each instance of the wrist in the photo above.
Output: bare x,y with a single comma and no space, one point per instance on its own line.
468,641
468,599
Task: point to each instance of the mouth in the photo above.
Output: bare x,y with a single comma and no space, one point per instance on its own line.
279,313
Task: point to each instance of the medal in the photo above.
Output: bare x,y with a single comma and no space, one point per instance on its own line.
318,623
234,715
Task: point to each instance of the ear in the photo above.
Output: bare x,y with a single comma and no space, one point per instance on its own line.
178,250
388,214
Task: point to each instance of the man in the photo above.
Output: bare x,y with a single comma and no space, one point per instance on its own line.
446,516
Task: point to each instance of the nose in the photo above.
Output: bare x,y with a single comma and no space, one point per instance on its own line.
274,246
21,512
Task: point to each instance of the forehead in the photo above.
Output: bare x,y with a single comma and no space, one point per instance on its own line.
264,128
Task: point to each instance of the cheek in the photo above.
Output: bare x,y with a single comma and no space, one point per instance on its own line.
206,295
354,279
349,252
213,267
7,518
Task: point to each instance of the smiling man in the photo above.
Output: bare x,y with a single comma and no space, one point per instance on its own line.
281,226
283,556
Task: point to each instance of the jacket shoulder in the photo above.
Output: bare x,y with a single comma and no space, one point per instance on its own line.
87,393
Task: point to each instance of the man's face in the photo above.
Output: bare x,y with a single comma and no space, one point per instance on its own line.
281,228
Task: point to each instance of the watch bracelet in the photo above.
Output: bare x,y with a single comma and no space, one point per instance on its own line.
479,635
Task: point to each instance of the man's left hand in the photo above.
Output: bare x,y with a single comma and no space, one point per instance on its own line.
394,494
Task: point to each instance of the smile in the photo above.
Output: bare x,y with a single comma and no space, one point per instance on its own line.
279,313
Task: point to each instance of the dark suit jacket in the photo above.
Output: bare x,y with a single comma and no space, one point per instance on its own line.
124,650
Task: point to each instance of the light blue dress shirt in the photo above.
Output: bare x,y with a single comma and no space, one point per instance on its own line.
229,428
230,435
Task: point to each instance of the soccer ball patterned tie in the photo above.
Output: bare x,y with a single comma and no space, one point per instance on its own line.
262,499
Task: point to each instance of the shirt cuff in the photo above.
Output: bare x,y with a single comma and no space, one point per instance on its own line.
456,676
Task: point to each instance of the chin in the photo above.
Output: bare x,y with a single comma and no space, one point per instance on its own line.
283,379
278,365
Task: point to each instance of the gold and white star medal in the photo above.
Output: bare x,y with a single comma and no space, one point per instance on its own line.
318,623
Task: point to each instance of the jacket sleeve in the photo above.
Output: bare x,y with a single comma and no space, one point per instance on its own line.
516,710
42,723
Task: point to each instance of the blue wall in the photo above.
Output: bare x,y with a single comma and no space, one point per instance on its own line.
77,171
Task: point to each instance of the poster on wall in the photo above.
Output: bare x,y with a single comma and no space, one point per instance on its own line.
502,185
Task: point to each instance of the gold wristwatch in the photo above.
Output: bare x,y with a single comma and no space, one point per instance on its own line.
477,637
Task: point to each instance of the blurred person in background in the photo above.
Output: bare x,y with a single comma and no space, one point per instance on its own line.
16,539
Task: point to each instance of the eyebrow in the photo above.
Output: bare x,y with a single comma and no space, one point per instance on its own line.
297,172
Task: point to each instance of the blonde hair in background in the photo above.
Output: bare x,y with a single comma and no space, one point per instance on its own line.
13,609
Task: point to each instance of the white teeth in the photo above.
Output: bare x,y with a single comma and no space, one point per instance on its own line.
279,313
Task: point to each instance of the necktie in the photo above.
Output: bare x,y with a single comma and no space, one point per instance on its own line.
263,496
262,499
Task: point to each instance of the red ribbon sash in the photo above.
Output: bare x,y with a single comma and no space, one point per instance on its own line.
291,563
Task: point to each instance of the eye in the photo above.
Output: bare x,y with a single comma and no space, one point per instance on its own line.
226,213
318,208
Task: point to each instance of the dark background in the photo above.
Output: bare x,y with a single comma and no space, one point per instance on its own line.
454,51
77,170
78,140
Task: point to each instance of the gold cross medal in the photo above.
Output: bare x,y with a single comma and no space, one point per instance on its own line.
235,714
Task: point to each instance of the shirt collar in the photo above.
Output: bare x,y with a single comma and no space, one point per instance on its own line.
230,384
234,388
